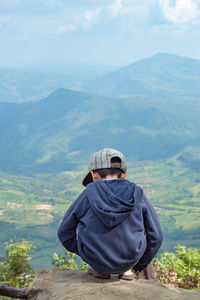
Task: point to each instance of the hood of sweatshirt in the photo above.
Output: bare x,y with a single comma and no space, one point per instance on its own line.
111,200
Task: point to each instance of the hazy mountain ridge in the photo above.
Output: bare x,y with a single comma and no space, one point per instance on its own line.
44,134
160,75
23,86
61,129
20,85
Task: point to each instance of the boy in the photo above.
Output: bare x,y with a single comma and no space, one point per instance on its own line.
111,225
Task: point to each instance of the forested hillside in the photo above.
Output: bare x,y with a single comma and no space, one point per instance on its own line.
63,129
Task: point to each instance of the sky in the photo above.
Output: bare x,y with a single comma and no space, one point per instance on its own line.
104,32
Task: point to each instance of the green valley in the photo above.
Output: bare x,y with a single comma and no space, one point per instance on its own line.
32,206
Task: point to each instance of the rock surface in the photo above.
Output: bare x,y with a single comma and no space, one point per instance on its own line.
61,284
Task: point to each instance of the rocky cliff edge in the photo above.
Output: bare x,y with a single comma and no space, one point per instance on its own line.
61,284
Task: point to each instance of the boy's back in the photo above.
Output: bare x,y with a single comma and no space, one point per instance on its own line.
112,226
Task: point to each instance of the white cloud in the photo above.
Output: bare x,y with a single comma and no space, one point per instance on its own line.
84,20
130,7
49,17
90,16
183,11
66,28
175,11
115,8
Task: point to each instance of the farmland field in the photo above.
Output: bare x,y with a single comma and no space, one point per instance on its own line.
31,207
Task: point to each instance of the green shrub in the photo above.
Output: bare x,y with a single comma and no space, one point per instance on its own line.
181,269
15,270
69,261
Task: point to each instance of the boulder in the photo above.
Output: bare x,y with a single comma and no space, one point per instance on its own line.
61,284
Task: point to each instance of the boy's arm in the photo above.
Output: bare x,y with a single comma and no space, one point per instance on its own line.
68,227
153,235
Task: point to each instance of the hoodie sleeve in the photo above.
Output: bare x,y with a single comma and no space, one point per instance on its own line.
153,235
68,229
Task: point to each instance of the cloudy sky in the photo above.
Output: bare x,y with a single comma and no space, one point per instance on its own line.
108,32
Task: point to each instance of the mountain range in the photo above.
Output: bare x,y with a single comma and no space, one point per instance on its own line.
19,85
62,130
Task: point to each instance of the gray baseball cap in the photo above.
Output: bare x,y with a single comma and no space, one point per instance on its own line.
102,160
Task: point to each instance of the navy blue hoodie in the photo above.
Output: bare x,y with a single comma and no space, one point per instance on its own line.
112,226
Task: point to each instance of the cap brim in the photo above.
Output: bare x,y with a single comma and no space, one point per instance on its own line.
87,179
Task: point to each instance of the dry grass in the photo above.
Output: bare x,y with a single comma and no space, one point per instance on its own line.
44,207
14,205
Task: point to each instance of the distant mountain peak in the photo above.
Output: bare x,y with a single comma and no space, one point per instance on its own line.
62,92
163,74
163,55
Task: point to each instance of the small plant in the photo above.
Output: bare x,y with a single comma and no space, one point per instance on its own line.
69,261
182,269
15,270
